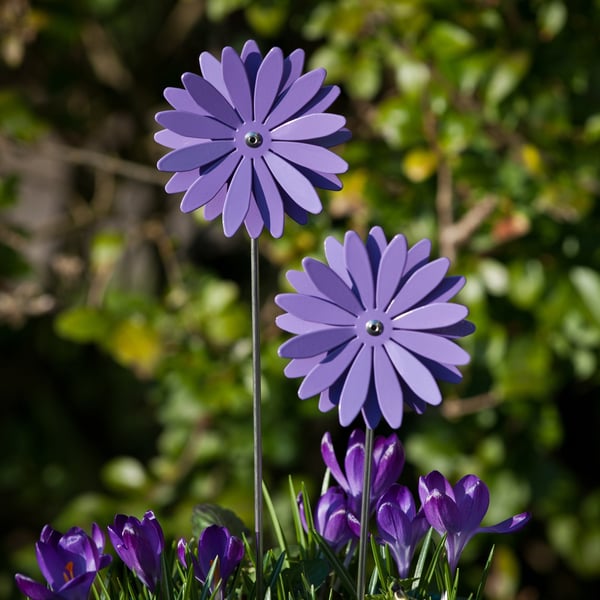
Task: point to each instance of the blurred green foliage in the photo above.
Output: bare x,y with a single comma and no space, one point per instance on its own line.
124,324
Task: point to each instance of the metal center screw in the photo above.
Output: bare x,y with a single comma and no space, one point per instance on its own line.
253,139
374,327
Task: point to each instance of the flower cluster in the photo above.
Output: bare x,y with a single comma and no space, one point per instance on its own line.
455,511
70,562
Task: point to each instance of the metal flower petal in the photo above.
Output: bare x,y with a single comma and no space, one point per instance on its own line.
250,139
379,319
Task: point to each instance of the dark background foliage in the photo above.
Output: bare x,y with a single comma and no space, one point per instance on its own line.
124,329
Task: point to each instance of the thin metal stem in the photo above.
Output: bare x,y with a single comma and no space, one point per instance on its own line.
364,515
257,421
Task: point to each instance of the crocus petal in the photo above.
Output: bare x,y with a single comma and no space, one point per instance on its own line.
211,545
354,465
359,268
32,589
388,458
442,513
182,551
330,460
307,127
299,93
508,526
310,156
472,499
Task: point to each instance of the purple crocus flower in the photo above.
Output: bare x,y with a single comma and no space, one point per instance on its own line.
69,562
400,526
331,517
458,511
215,543
387,464
140,546
374,327
250,139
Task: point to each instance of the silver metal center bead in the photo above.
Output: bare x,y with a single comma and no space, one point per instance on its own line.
253,139
374,327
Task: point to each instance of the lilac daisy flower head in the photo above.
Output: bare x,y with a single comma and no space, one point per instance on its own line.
69,562
139,545
400,525
387,464
250,139
458,510
374,327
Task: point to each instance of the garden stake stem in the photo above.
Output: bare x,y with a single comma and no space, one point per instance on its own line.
364,515
256,411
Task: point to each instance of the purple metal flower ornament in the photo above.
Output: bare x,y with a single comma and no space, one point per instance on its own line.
68,562
250,139
374,327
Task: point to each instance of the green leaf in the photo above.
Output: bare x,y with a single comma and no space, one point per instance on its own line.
82,324
124,474
205,515
507,74
587,283
447,40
